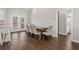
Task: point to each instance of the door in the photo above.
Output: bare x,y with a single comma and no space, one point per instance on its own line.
62,22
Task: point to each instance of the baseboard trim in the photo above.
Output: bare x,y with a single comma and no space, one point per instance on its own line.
63,33
54,35
76,41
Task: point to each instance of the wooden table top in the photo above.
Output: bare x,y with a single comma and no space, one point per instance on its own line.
41,29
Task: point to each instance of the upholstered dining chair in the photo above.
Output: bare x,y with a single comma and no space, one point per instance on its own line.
49,32
5,34
34,32
29,30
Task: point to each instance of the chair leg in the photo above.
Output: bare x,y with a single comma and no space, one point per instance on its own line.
36,37
1,39
4,37
26,32
50,37
33,35
10,37
39,37
43,37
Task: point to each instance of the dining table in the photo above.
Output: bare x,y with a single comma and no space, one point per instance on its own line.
41,30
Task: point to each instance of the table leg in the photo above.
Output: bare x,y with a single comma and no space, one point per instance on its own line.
40,36
10,37
3,35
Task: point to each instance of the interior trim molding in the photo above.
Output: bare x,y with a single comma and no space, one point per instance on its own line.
63,33
76,41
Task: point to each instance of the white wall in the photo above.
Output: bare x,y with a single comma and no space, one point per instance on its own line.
45,16
76,25
2,13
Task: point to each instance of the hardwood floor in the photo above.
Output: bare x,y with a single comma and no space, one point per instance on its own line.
22,42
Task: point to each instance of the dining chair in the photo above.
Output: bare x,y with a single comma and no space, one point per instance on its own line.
4,32
5,35
34,32
48,32
27,29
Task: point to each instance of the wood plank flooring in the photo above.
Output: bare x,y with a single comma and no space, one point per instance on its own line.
22,42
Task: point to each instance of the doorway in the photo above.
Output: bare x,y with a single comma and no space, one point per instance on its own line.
64,21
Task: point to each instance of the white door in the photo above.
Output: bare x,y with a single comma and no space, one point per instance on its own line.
62,23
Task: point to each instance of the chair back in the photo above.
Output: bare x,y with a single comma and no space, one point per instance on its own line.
33,28
30,28
50,29
27,28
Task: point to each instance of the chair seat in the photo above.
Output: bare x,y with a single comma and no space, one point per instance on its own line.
36,33
46,33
